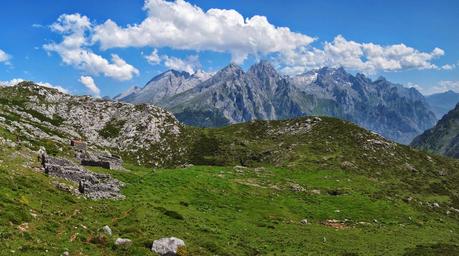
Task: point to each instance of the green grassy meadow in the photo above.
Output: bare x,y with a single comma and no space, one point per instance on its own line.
219,211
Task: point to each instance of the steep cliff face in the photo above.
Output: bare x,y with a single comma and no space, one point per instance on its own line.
443,138
261,93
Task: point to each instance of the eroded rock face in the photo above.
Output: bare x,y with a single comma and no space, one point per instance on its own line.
91,185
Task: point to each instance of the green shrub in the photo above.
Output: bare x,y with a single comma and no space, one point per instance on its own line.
112,129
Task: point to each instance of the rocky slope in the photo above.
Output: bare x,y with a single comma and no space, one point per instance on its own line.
443,138
233,96
442,103
43,116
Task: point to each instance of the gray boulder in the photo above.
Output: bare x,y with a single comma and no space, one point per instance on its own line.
167,246
107,230
123,242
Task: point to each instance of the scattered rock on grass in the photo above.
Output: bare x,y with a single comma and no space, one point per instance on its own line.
107,230
186,165
260,169
337,224
23,227
66,188
346,165
124,242
239,168
315,192
296,187
167,246
410,168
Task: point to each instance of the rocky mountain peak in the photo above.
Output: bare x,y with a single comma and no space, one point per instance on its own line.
362,77
450,92
232,67
381,79
263,69
202,75
337,74
331,70
232,70
171,73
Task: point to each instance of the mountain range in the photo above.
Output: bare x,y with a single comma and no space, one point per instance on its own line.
233,95
442,103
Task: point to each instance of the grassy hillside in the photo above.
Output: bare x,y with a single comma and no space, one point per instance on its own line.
443,138
360,195
327,144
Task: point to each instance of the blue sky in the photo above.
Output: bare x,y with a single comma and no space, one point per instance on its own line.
411,42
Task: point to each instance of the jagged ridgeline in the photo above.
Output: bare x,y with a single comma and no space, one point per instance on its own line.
233,95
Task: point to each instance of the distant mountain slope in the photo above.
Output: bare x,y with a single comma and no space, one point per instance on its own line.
396,112
442,103
163,86
261,93
443,138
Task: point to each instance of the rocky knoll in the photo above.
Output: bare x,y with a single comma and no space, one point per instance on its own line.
143,133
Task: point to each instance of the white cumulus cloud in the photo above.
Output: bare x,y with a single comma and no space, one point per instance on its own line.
75,49
364,57
442,86
446,85
153,57
189,64
89,83
181,25
4,57
448,66
15,81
